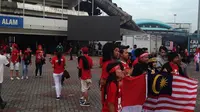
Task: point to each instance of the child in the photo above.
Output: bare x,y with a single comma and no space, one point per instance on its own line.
112,89
152,66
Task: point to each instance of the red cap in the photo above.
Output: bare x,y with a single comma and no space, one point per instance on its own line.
14,45
84,50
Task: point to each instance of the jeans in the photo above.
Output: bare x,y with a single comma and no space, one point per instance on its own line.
197,66
62,79
57,81
25,69
38,68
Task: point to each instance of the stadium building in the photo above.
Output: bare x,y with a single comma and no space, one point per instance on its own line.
33,22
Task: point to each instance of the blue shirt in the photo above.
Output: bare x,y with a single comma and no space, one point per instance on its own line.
133,57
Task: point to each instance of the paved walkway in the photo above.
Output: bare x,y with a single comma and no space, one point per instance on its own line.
38,94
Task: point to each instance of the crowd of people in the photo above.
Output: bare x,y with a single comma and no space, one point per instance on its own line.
116,64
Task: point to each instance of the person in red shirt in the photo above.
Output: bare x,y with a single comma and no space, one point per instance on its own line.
124,56
112,88
172,67
39,61
110,53
142,66
58,64
26,60
100,62
14,62
85,64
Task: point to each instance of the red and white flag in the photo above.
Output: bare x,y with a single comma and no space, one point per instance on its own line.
183,98
133,93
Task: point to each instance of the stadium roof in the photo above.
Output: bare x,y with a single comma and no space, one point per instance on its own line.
150,21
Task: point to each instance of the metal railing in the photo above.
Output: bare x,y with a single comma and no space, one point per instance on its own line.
25,7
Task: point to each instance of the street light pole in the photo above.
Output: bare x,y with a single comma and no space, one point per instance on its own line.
175,20
198,32
92,7
78,6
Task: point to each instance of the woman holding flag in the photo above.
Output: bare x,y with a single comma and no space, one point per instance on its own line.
112,88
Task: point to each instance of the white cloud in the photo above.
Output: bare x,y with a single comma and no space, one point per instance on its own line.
163,10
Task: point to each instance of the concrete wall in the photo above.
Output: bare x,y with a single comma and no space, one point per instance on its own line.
45,24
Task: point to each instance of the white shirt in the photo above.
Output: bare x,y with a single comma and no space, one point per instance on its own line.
3,61
197,56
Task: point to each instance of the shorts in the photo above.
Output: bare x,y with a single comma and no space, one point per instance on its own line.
14,66
85,85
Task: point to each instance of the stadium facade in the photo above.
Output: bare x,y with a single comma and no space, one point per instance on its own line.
32,22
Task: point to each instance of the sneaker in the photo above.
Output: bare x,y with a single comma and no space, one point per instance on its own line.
85,104
17,78
26,77
81,100
57,98
3,105
22,78
11,78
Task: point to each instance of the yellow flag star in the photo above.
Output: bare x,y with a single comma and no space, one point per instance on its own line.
163,82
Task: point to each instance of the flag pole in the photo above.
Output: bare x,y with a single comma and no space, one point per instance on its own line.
78,6
198,32
146,78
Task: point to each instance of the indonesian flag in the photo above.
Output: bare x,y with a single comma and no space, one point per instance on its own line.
182,99
133,93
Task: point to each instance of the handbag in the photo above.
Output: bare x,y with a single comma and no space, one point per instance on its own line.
66,74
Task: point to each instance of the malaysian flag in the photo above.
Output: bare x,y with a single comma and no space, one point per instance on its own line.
182,98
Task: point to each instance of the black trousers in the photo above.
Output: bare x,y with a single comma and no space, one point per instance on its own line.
38,68
1,100
71,58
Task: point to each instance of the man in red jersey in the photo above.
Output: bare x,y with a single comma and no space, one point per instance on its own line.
14,64
124,56
85,64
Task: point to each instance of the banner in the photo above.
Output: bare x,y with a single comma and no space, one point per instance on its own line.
11,22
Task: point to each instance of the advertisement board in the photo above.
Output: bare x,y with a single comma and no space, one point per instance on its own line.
11,22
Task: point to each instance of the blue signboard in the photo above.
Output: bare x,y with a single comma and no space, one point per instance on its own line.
11,22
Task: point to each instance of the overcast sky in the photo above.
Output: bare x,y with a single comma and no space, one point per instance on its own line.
162,10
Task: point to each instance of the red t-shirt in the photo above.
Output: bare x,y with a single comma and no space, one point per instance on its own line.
135,62
58,68
15,56
100,61
104,73
174,67
39,56
113,96
126,67
86,74
26,54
